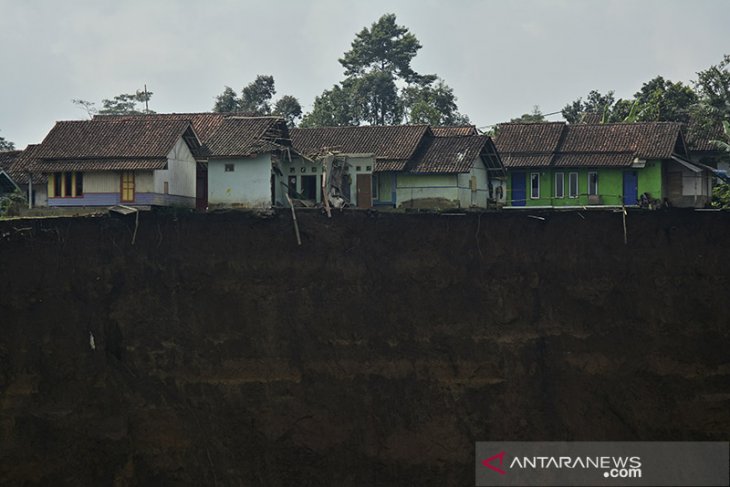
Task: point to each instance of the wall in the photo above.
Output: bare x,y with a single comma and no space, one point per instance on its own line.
427,190
478,199
248,185
375,353
610,184
180,172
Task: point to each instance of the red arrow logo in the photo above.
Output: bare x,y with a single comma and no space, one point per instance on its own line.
487,463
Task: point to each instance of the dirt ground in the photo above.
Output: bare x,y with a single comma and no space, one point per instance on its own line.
376,353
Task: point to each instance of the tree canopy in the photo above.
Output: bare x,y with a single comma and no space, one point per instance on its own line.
380,86
713,106
256,99
6,145
124,104
536,116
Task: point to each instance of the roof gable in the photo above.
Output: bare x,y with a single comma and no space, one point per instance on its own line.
104,138
453,154
455,131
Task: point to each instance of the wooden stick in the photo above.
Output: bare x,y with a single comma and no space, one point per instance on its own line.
294,216
626,238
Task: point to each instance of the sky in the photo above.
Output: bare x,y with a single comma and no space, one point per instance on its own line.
500,57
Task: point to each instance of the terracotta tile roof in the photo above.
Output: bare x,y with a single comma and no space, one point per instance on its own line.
594,160
111,139
529,138
650,140
455,131
382,165
109,164
447,155
589,145
7,158
245,136
204,124
391,142
20,167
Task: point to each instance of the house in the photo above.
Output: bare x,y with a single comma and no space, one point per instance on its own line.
239,158
556,164
32,185
106,162
414,165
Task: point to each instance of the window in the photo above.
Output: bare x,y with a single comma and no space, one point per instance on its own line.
573,185
127,190
65,185
559,185
167,187
592,183
534,185
230,168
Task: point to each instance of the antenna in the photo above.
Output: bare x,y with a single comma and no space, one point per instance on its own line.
146,97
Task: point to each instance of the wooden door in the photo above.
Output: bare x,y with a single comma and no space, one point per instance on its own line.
127,190
364,185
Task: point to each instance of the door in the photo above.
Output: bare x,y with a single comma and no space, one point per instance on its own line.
292,186
201,187
127,191
364,184
519,189
631,188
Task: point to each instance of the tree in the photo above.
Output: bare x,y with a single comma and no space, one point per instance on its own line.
713,107
381,87
88,106
256,99
596,104
126,104
6,145
535,116
661,100
289,109
433,104
333,108
227,101
256,96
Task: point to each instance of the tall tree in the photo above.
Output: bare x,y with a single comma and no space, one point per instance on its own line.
662,100
289,109
380,85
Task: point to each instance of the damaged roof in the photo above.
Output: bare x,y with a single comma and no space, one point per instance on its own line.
453,154
391,143
590,145
245,136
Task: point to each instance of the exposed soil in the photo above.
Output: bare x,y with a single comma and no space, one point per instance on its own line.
374,354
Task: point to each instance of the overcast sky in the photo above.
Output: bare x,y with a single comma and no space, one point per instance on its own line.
500,57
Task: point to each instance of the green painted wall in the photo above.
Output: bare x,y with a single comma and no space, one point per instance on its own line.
610,184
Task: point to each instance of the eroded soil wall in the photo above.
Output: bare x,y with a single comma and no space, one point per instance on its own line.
374,354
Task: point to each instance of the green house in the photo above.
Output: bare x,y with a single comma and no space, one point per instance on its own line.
557,164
